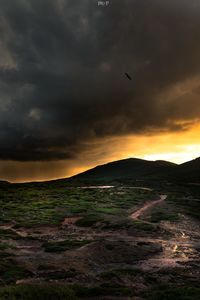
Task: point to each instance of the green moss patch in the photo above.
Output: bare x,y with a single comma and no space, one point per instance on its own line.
173,292
64,245
10,272
39,292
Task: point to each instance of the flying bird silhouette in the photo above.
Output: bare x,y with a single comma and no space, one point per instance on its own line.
128,76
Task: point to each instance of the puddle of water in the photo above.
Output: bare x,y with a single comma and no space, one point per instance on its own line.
139,188
97,187
112,186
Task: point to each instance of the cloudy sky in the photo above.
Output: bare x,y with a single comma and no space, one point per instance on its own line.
65,103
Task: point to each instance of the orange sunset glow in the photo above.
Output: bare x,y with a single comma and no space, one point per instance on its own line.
93,84
177,147
100,149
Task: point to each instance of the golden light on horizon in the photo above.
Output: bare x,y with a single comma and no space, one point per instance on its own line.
177,147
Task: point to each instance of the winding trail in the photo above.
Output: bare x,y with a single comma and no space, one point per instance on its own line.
136,215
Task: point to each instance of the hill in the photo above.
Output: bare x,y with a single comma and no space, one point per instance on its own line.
139,169
189,171
131,170
128,168
4,183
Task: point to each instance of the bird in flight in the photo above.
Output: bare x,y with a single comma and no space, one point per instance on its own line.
128,76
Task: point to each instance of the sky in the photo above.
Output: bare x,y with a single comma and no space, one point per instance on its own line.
65,103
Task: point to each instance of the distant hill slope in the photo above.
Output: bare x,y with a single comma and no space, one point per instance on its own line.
4,183
134,168
128,168
189,171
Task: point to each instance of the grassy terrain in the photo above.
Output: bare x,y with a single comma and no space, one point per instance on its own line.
188,206
61,292
10,272
32,292
64,245
166,292
98,255
29,206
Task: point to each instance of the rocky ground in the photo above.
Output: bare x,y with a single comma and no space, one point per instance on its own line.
129,259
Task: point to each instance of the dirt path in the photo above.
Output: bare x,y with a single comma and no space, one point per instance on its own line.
136,215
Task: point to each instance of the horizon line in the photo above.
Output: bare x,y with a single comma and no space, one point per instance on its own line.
60,178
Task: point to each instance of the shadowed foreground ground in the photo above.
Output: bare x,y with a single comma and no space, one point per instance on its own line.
112,242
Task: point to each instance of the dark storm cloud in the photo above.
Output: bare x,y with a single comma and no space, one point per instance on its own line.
62,68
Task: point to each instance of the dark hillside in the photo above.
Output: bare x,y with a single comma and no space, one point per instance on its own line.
127,168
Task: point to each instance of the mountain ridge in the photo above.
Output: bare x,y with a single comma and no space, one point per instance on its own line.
133,169
136,168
